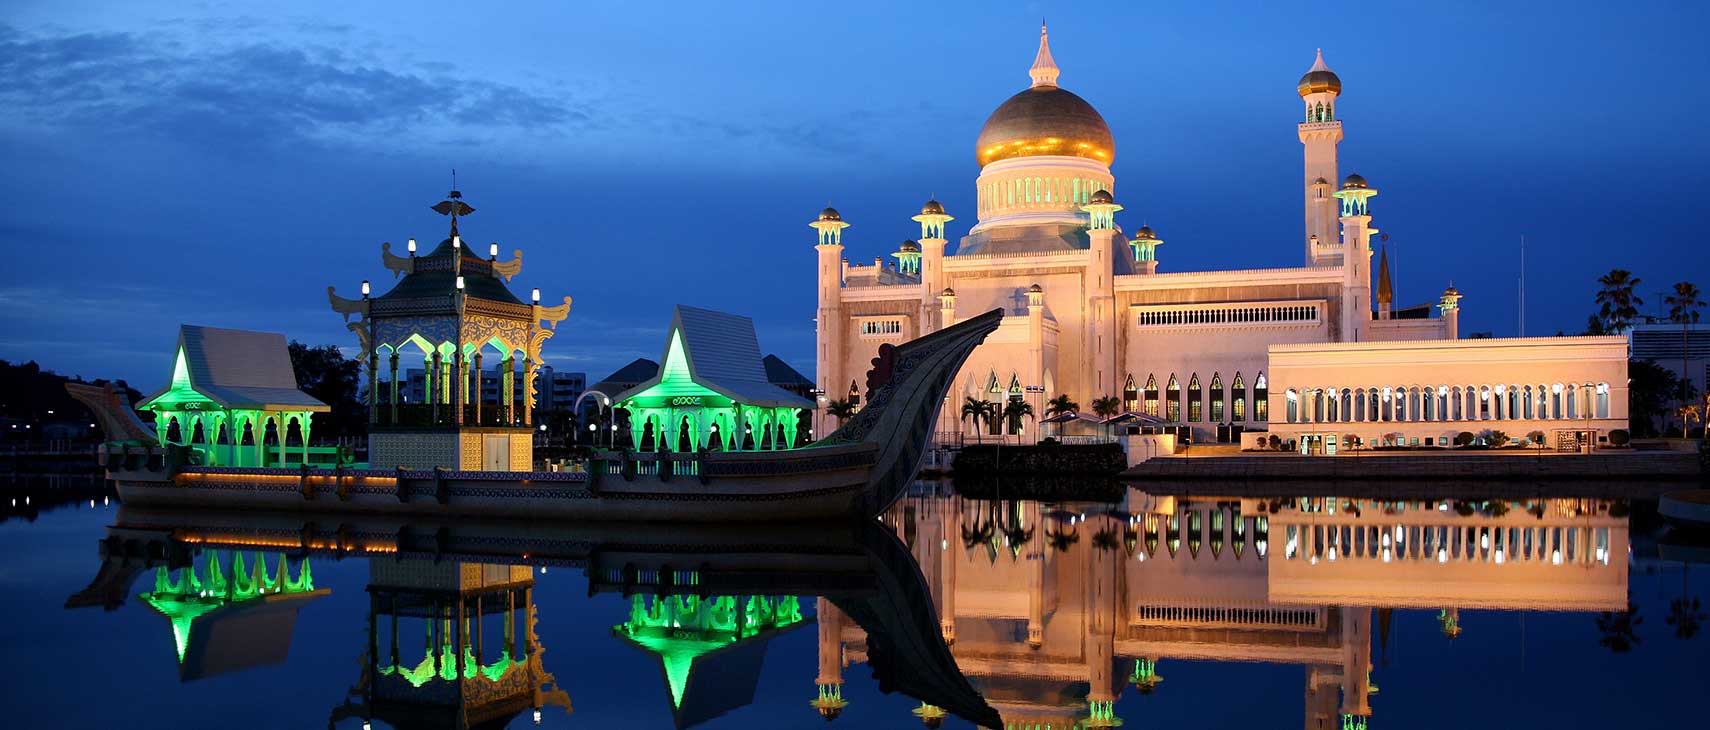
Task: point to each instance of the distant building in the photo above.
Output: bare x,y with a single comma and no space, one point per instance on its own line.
1664,343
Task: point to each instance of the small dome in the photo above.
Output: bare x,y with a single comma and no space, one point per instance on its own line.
932,207
1354,182
1102,197
1035,289
830,214
1319,78
948,292
1321,181
1451,291
909,246
1145,234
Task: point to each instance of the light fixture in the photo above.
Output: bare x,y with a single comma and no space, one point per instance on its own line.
535,295
457,242
460,283
365,288
1442,555
412,246
592,427
1501,557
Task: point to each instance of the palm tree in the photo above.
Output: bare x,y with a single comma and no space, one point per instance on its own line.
1618,303
1683,306
1106,406
1619,629
1686,613
974,410
1688,414
840,409
1014,411
1060,405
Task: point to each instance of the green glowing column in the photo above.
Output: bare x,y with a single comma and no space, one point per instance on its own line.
394,395
476,398
459,385
433,383
507,385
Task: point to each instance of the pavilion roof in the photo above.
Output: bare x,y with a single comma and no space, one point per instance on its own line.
721,354
433,276
780,373
237,369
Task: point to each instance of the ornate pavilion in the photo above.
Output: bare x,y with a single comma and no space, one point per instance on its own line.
452,308
228,387
711,390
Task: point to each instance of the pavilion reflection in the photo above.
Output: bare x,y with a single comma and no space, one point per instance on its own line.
1053,611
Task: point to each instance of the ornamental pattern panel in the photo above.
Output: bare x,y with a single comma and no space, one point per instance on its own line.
479,330
522,452
396,331
412,450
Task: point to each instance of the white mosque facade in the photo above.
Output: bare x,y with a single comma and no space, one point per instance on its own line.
1092,314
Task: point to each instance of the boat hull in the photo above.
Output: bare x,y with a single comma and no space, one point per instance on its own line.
807,485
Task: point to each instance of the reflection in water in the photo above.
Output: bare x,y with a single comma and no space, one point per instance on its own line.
1053,610
1012,614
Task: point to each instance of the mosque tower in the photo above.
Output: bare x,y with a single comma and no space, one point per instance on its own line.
1042,155
1320,134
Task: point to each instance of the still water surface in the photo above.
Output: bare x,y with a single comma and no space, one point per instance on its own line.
1155,611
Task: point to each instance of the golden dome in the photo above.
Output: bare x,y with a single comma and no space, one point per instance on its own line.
932,207
1354,182
909,246
1319,78
1102,197
1035,289
1145,234
948,293
1045,120
830,214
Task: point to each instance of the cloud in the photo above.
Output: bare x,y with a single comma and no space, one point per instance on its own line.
255,92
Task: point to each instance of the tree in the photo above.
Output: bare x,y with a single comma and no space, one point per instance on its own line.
1619,629
974,410
1617,301
840,409
1014,411
1060,405
1687,414
1106,406
1683,306
331,378
1351,442
1650,388
1497,439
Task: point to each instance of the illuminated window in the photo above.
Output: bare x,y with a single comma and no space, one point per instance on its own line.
1173,400
1216,398
1130,395
1261,399
1194,395
1239,405
1152,396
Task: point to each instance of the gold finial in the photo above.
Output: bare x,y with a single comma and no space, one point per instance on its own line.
1044,71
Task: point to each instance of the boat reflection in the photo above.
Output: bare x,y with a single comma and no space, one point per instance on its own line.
1054,610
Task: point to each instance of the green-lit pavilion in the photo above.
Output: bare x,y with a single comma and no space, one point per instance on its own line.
229,384
711,390
710,648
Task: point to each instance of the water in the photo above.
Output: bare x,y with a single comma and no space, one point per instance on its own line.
1226,639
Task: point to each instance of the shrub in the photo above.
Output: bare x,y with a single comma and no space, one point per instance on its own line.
1464,438
1050,441
1497,438
1536,437
1619,437
1275,442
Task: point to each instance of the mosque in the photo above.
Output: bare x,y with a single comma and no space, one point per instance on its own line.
1093,314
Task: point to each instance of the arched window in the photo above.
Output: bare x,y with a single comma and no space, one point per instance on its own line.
1238,401
1332,406
1152,395
1261,399
1483,401
1526,407
1173,400
992,383
1556,401
1359,412
1292,403
1216,398
1194,396
1347,409
1130,395
1602,400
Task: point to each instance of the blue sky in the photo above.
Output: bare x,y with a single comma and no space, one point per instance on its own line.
222,163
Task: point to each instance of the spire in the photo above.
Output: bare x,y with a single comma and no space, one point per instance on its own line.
1318,65
1385,292
1044,71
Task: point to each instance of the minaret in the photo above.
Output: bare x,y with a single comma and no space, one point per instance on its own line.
1385,291
1145,245
1319,134
829,323
1450,306
1035,372
829,702
1356,257
932,242
1101,295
